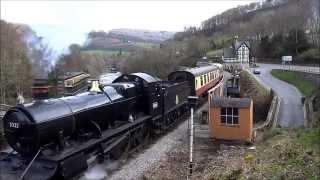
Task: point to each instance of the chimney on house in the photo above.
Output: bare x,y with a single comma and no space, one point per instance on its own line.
235,39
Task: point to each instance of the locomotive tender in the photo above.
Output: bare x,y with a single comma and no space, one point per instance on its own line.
54,138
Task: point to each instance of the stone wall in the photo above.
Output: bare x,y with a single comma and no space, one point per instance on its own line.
261,95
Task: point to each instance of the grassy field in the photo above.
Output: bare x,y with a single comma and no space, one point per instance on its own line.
146,45
215,53
106,53
306,87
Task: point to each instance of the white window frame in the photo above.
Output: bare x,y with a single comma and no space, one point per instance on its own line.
226,115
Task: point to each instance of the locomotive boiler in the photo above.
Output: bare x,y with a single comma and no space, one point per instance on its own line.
31,126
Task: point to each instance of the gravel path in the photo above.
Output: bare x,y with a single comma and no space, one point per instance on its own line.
136,167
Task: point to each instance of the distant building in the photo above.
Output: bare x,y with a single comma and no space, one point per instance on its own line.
231,118
40,88
236,52
72,83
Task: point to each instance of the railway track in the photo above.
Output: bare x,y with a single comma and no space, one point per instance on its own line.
152,145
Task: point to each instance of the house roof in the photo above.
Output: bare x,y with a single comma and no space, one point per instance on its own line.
230,102
237,44
230,50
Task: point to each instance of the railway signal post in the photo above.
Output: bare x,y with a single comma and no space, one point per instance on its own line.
192,100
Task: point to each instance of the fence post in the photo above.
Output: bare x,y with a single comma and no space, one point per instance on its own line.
192,103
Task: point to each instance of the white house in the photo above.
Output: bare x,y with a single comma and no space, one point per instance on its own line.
237,52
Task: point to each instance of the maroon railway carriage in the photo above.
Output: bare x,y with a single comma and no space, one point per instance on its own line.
200,79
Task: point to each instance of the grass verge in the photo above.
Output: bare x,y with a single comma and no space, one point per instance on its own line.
288,154
306,87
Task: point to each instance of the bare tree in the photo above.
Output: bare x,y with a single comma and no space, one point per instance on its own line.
15,70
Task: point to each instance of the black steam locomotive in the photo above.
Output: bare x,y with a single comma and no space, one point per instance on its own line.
54,138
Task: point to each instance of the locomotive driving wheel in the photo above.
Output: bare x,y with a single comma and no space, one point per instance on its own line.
139,136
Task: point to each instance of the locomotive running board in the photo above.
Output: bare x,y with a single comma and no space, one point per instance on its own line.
106,135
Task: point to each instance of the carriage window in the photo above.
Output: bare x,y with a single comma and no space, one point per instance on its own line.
205,79
201,80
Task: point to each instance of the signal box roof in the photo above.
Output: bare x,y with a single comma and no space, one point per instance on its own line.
230,102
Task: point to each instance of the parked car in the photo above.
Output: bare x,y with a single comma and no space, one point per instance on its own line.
256,71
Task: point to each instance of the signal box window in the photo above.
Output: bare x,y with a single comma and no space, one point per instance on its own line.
229,116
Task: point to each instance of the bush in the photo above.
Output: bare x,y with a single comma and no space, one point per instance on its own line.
271,133
310,54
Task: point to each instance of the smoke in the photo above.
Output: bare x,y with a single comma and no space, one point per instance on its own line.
97,172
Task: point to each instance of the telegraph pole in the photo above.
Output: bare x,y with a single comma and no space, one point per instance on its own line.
192,100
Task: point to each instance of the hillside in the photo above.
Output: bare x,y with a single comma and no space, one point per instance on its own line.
146,35
125,39
273,28
264,18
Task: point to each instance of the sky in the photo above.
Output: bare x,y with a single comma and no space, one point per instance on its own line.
64,22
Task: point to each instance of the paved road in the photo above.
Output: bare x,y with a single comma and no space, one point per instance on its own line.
310,69
291,109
